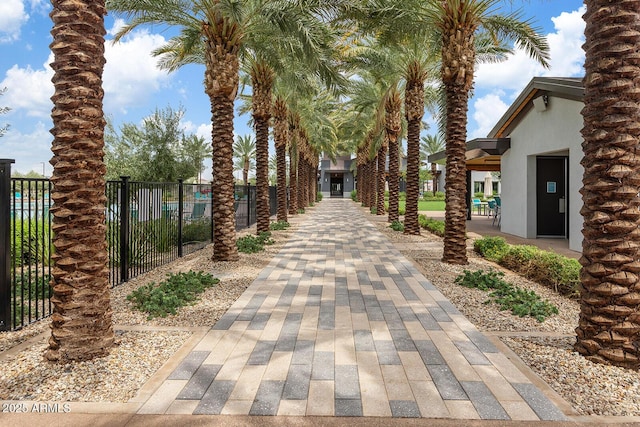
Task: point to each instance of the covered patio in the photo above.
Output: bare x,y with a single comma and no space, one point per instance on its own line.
483,154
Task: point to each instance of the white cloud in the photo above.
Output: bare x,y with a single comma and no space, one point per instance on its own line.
131,74
14,14
488,110
567,57
12,17
204,131
29,90
28,149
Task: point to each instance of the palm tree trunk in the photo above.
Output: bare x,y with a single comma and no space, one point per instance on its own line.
434,178
455,244
301,183
411,225
262,79
293,181
382,166
608,328
393,105
280,130
81,326
414,100
262,174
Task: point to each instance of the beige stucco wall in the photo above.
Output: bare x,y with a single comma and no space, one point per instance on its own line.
555,131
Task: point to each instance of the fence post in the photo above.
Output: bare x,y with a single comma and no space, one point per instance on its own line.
124,229
5,244
180,214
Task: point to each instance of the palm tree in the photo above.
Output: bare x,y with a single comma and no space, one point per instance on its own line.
459,21
609,299
280,137
211,33
81,326
414,110
197,150
432,144
244,150
262,77
393,125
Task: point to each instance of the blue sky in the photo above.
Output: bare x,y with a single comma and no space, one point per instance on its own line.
134,86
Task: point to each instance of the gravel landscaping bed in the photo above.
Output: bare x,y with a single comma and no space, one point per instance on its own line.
137,354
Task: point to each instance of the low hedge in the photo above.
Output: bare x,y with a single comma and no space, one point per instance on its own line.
433,225
547,268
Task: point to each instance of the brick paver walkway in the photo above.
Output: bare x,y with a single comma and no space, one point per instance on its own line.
341,324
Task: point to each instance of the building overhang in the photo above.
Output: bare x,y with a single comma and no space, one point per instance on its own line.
483,154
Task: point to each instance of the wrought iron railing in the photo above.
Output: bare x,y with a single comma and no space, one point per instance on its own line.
148,225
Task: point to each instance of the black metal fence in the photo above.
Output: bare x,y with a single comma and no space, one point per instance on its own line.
148,225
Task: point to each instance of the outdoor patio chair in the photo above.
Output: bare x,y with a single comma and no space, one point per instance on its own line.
198,212
476,204
498,214
491,206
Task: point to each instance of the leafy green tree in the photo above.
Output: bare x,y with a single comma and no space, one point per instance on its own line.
4,110
157,151
244,152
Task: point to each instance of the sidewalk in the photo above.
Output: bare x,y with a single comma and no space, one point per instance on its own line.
339,324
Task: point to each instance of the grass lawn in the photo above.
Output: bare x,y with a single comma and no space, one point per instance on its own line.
424,205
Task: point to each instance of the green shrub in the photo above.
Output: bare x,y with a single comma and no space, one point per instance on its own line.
176,291
518,257
430,196
354,195
250,244
30,242
301,210
547,268
374,210
520,301
402,195
557,272
197,231
279,225
479,195
318,197
433,225
492,247
397,226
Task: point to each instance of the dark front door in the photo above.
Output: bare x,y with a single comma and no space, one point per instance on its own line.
551,196
337,186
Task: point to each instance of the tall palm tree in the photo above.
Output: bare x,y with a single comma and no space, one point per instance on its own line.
609,299
244,150
81,326
211,33
262,77
393,125
432,144
280,137
459,21
414,110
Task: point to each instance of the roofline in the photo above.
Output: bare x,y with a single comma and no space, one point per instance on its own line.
477,148
561,87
